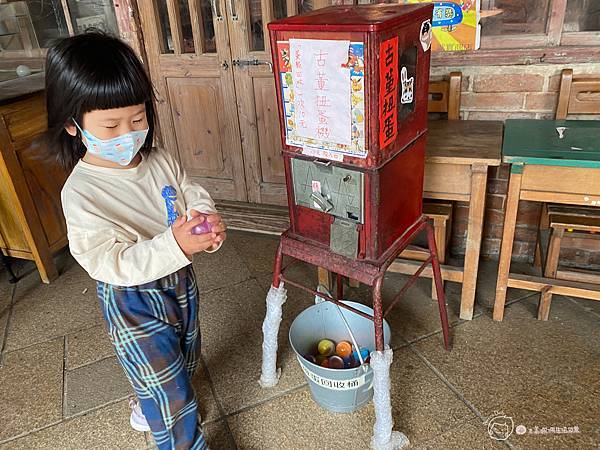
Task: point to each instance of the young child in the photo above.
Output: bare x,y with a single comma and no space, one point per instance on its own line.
130,210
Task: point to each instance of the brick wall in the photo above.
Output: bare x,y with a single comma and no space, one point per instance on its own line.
499,93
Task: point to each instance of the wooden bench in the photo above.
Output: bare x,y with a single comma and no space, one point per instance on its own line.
563,222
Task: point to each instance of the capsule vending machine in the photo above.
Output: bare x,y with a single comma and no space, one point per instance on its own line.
352,89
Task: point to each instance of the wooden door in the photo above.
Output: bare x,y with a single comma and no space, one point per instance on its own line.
255,87
187,46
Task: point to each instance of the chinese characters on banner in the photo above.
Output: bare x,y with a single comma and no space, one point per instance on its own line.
388,92
321,90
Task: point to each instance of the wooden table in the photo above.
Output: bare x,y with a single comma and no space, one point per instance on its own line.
546,168
459,153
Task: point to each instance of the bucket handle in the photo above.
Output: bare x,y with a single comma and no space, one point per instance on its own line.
323,290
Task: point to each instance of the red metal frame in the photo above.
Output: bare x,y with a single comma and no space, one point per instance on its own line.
370,273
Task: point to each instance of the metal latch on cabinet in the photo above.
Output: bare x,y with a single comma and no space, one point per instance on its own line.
252,62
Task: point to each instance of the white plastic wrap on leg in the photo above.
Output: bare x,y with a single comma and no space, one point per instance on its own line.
275,299
384,438
321,290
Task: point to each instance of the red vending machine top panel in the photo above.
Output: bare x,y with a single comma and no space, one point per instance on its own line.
352,81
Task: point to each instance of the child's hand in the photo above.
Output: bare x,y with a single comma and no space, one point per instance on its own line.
217,227
189,243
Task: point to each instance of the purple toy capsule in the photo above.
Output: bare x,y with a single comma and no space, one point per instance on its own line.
310,358
204,227
336,362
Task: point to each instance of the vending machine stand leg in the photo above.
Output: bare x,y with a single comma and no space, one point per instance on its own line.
276,297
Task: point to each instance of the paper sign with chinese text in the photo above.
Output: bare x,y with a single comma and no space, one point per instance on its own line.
335,114
322,89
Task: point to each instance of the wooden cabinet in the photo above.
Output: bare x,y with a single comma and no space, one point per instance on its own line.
31,221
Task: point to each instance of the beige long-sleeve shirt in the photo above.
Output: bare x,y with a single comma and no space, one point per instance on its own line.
118,219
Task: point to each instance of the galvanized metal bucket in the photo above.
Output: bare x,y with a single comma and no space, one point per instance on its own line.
337,390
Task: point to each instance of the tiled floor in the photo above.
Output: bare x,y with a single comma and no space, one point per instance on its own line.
61,386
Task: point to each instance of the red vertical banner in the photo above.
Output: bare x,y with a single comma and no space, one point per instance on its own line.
388,92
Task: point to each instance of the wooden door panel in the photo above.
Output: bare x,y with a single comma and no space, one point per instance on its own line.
197,105
255,91
189,57
269,137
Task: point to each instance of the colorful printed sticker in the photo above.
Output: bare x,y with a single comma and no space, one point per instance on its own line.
426,35
408,87
447,14
454,24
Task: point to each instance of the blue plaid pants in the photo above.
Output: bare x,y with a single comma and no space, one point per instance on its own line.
154,330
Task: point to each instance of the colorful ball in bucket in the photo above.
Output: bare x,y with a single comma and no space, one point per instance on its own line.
325,363
335,362
364,352
343,349
319,359
326,347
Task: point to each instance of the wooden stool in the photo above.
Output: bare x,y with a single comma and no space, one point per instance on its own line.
563,220
441,215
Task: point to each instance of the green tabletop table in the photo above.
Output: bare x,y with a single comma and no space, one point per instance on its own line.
552,161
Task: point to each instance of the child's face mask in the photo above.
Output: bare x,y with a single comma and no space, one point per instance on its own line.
121,149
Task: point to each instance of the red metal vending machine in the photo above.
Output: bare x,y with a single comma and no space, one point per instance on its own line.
352,88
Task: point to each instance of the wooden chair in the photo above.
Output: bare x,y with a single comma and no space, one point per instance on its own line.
444,97
578,95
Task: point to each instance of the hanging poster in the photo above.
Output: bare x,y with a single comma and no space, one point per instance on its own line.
455,24
388,92
322,89
323,84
